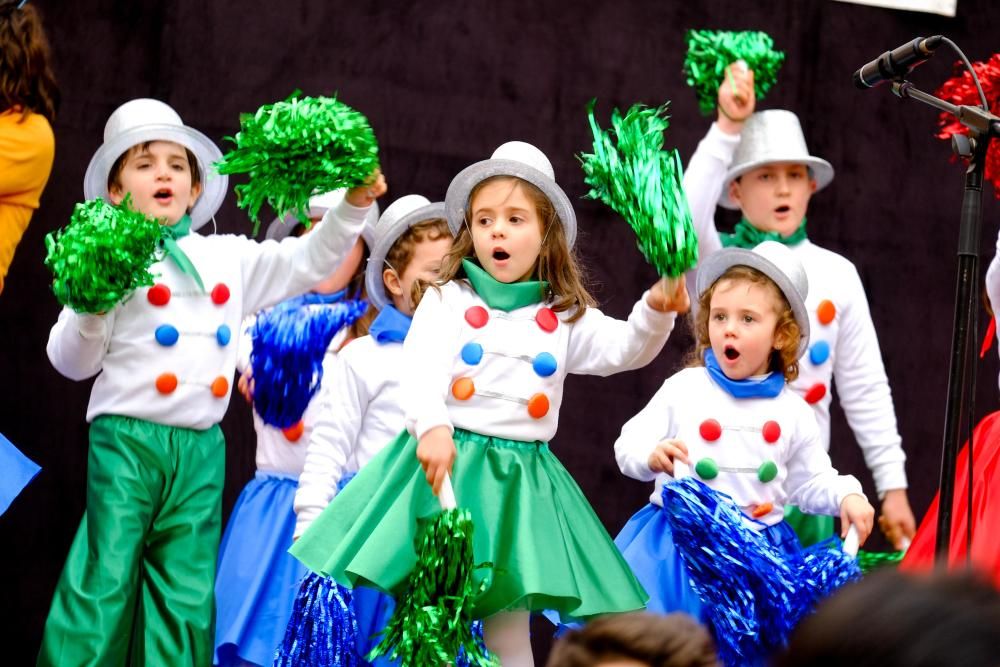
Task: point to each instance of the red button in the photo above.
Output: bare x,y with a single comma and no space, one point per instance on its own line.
220,294
294,432
815,393
166,383
477,317
710,430
546,320
826,311
538,406
771,431
158,294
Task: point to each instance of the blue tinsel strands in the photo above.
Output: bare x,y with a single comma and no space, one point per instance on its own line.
754,594
322,631
289,343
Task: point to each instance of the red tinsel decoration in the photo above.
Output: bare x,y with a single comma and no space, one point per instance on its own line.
960,89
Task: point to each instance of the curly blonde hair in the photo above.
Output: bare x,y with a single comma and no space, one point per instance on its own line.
784,359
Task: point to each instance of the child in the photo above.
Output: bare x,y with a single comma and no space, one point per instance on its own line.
484,363
138,581
732,418
256,581
28,100
358,410
760,164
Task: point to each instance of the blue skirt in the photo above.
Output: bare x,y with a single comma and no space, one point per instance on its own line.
257,579
17,470
647,545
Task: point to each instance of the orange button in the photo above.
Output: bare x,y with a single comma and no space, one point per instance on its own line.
294,432
762,510
826,311
166,383
220,387
538,406
463,389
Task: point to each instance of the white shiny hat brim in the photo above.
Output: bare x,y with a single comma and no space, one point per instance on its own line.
387,232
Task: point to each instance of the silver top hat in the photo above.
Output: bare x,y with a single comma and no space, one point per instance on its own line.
777,262
319,205
141,120
404,213
773,136
514,158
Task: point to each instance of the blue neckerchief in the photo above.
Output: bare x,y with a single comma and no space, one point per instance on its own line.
768,386
391,326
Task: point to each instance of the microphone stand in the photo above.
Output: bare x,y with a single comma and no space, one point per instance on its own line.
983,126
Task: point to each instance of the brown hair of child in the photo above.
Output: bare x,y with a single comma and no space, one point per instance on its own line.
785,359
27,83
403,250
557,263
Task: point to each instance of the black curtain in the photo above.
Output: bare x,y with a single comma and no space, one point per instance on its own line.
444,84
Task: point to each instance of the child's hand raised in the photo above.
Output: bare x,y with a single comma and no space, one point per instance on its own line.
856,510
436,453
669,295
373,188
737,98
245,384
662,458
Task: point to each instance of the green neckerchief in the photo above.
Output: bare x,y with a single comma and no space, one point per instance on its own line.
170,234
747,236
504,296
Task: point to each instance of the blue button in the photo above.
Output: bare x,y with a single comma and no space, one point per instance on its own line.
167,335
544,364
223,334
819,352
472,353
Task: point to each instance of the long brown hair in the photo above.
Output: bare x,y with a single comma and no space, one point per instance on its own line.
557,263
26,79
786,358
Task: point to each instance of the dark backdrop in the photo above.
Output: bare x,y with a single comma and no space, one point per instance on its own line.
443,86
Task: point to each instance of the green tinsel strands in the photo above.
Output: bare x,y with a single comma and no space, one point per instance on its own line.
630,172
710,52
874,560
102,256
432,623
298,148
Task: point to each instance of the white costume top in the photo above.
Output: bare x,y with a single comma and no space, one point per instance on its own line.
767,451
500,373
993,283
843,348
355,415
167,353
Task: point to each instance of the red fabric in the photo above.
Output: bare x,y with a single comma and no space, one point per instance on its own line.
985,510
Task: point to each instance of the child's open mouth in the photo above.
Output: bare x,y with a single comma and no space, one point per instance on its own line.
163,194
731,353
783,209
501,255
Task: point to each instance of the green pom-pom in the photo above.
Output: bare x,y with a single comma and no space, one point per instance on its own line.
874,560
630,172
432,623
298,148
710,52
102,256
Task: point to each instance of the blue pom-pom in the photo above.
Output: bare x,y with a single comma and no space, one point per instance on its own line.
753,592
289,342
323,629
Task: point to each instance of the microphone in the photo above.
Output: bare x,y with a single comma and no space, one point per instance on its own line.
897,63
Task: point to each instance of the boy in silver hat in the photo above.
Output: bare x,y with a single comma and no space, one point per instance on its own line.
138,582
759,163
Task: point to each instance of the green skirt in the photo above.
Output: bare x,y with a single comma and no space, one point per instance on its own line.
532,522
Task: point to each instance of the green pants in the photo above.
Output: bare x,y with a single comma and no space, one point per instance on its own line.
810,528
137,587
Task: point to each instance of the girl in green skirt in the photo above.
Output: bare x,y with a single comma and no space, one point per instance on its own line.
484,363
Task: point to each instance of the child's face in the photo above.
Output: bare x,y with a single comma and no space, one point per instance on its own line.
741,324
425,265
506,231
774,198
159,180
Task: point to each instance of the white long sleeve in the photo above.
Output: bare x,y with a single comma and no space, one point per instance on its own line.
77,343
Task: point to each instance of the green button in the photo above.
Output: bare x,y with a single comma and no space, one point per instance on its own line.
707,468
767,471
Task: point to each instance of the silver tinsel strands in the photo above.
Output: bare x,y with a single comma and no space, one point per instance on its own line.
630,172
